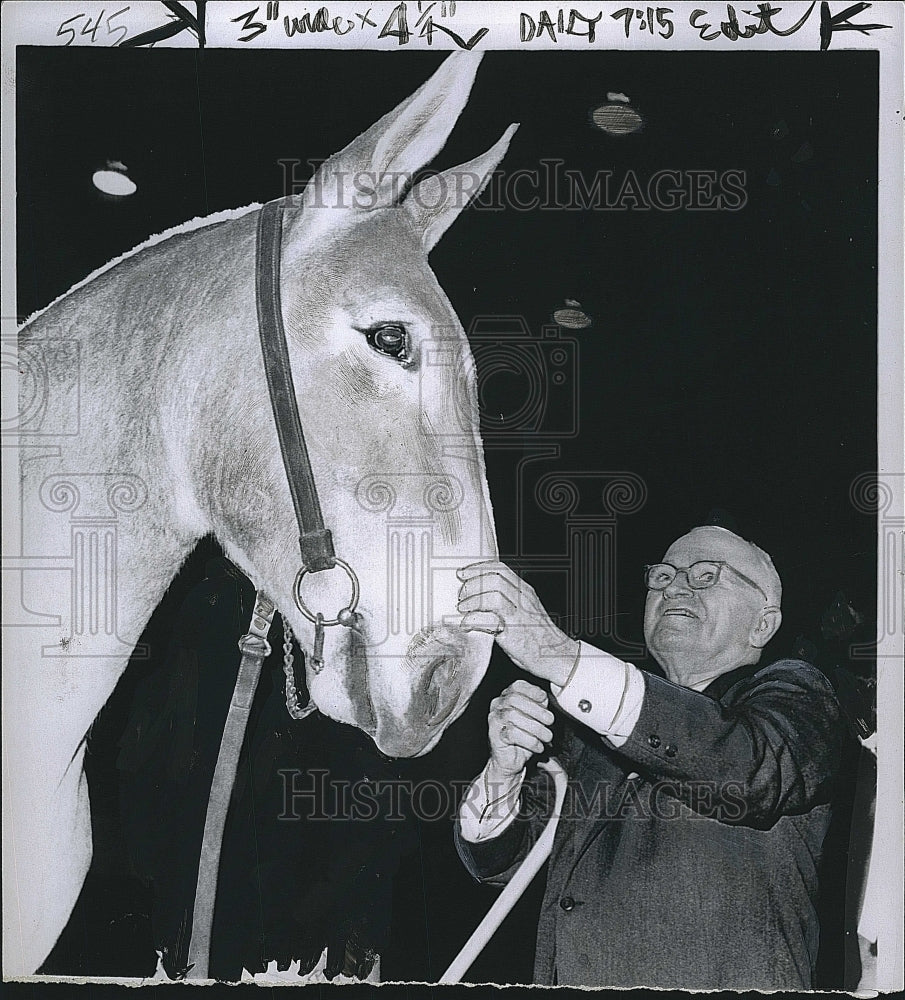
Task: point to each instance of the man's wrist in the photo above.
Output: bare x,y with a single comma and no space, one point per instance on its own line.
602,692
558,665
491,803
498,780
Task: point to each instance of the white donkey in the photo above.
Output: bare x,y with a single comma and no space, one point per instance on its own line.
145,424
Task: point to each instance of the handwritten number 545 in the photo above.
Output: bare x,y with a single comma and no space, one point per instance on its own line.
90,27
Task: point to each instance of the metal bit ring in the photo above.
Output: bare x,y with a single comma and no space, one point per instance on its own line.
345,612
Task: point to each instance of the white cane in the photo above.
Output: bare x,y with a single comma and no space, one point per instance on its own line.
517,884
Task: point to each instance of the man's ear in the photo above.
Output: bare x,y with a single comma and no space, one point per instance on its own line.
765,627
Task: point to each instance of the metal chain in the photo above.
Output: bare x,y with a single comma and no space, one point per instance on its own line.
292,695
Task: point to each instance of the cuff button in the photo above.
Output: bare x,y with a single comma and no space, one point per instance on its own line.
653,740
670,750
584,705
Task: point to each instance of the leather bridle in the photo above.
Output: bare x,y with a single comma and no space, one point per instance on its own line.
317,554
315,540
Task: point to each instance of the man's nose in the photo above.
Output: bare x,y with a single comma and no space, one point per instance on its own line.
678,586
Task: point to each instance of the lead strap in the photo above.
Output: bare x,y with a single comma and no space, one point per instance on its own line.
255,649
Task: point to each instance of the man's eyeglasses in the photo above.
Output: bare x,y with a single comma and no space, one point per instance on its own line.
700,575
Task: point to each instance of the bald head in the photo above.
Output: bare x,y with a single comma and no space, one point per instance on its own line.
723,545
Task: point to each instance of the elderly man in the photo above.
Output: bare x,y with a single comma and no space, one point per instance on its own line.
697,806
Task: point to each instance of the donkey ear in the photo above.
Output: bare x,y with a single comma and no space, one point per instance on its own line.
435,202
374,170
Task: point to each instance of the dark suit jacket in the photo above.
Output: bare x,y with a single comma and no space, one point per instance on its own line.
687,857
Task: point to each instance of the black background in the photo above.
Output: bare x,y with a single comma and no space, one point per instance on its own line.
731,363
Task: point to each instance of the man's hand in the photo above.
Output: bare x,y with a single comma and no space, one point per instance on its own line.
518,727
494,600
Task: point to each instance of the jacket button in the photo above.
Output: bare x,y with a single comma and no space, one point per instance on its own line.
670,750
567,903
584,705
653,740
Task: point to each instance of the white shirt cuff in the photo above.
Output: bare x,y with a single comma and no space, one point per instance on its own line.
489,806
603,692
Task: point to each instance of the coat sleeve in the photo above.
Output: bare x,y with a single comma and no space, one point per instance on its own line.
496,859
772,751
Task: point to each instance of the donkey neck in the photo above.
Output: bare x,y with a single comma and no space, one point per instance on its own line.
146,347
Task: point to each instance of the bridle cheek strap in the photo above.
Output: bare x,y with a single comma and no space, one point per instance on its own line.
315,540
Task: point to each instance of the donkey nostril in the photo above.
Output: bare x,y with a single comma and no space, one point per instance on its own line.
441,690
433,698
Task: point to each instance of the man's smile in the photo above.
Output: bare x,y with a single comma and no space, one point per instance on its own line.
680,612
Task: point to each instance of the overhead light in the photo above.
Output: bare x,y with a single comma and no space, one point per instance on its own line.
571,315
617,116
113,179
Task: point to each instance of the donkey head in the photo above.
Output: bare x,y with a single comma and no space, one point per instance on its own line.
387,400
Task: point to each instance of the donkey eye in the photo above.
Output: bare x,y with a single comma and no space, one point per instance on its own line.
390,339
